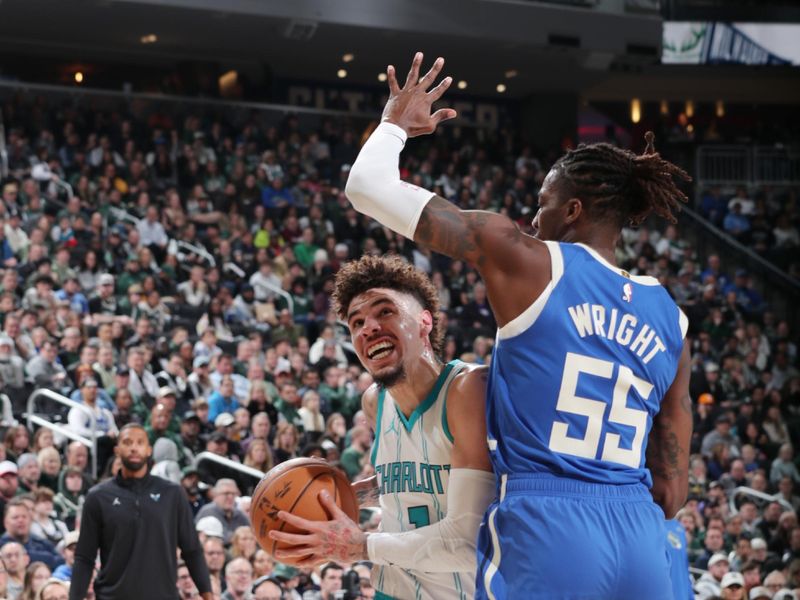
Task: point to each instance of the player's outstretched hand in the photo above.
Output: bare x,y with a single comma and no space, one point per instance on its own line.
409,107
339,539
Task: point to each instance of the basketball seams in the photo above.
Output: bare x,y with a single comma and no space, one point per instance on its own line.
300,497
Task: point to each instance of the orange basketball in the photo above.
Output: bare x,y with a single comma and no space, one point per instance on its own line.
294,486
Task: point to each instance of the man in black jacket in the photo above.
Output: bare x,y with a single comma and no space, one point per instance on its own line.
137,521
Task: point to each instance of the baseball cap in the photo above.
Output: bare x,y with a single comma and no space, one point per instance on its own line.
784,594
211,526
732,578
282,571
224,420
165,391
7,467
217,437
718,557
105,279
760,593
190,415
186,471
123,370
89,382
705,399
712,367
71,538
758,544
200,361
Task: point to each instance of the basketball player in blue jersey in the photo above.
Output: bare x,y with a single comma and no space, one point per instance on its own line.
588,411
434,479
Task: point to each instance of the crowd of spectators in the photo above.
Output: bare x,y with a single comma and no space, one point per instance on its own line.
766,219
186,284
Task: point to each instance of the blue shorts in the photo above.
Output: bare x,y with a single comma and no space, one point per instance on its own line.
550,537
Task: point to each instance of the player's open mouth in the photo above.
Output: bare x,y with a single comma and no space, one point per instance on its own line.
380,350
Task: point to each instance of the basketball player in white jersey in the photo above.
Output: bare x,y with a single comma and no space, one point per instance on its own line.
433,476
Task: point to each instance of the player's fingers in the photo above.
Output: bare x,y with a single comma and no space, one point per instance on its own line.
296,539
391,78
329,504
298,522
443,114
413,73
310,562
298,552
431,75
440,89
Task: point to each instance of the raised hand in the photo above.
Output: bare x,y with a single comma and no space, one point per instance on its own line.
409,107
339,539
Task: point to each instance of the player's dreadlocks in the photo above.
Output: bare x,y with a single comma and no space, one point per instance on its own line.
358,276
617,184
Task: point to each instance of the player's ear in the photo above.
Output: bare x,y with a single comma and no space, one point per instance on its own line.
573,208
426,323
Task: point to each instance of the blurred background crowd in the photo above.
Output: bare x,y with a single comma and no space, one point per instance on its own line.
184,281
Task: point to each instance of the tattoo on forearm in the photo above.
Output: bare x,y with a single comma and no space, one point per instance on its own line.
458,234
664,453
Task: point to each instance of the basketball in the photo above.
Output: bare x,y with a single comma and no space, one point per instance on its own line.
294,486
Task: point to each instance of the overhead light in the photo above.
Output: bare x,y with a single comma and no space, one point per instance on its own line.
150,38
381,76
689,109
348,57
636,110
511,73
462,85
501,88
690,128
664,108
720,109
341,73
78,77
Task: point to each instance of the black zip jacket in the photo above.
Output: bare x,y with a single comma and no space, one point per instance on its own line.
137,524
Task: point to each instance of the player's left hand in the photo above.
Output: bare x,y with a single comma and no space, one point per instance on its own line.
339,539
409,107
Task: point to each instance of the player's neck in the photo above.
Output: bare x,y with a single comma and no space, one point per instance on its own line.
417,383
601,240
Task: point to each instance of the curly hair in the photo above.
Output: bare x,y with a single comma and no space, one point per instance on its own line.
617,184
369,272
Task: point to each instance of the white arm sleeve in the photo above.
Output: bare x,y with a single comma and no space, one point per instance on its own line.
448,545
374,186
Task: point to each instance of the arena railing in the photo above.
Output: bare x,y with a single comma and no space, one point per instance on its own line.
3,151
280,292
227,462
761,497
746,165
7,419
176,246
33,418
782,291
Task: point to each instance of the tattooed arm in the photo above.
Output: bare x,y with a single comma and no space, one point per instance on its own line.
668,445
515,266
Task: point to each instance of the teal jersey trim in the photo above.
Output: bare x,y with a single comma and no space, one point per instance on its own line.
379,595
445,426
374,453
409,423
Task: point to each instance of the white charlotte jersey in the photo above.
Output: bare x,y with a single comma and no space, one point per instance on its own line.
411,457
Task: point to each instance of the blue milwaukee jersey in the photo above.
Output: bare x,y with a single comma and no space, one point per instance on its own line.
577,378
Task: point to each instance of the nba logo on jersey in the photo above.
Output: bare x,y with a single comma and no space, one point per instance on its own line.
627,292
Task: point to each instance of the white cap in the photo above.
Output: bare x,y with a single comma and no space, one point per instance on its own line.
211,526
224,420
732,578
758,544
760,592
718,557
